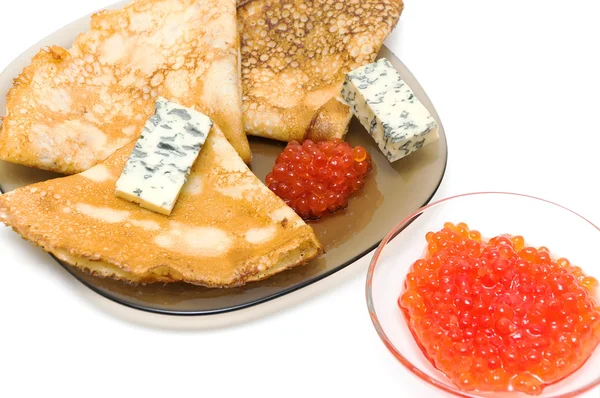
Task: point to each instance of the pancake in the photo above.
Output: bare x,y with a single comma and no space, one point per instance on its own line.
226,229
70,109
295,54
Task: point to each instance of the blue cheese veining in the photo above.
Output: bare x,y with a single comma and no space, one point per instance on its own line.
163,156
387,107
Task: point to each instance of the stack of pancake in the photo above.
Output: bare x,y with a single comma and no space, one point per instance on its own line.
79,112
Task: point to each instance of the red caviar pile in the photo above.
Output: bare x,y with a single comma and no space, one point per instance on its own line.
317,178
498,315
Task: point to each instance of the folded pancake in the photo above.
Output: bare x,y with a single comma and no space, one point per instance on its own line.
226,229
70,109
295,54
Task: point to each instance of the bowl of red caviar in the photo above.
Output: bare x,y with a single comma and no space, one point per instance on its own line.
491,295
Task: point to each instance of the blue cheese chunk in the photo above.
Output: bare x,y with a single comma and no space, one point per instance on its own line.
163,156
387,107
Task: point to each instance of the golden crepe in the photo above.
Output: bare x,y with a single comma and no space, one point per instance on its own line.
226,229
71,109
295,55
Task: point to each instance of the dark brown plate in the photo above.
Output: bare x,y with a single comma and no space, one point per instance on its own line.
391,193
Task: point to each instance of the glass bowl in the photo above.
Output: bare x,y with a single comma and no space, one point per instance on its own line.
540,222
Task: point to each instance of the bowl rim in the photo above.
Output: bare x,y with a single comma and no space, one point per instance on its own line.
387,342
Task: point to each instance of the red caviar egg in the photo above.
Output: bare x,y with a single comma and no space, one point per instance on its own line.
499,315
316,178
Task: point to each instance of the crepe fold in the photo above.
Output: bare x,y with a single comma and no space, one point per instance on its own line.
295,55
226,229
70,109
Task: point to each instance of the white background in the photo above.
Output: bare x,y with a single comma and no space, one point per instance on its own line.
516,85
